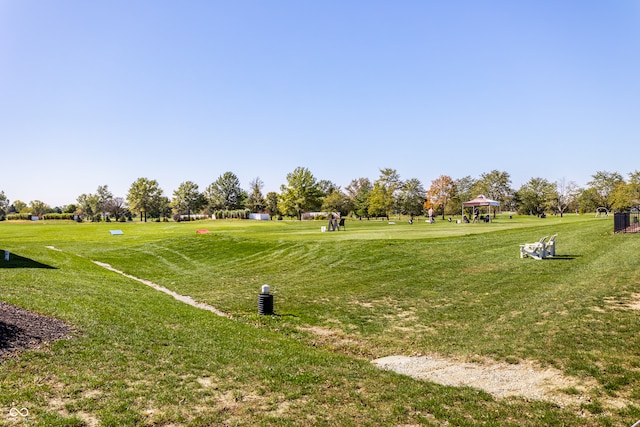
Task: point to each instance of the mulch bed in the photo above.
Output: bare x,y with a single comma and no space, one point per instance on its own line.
21,329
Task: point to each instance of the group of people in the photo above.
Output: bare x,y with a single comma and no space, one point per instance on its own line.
334,223
465,219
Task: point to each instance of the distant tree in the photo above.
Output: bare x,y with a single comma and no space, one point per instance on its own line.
187,199
160,207
463,191
411,198
634,177
300,194
4,206
359,192
19,207
588,200
89,206
145,197
566,195
384,195
255,201
496,185
603,183
38,207
536,196
225,193
336,201
271,204
626,195
104,196
441,192
327,187
115,207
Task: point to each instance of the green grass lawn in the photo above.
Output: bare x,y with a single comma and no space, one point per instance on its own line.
341,299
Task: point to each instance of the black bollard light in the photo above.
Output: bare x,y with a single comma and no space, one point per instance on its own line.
265,301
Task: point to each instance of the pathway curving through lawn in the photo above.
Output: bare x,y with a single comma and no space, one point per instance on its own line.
182,298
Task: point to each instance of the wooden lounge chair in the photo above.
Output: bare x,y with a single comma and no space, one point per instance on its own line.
534,250
550,247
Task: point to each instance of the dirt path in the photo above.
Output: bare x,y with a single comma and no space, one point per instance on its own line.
501,380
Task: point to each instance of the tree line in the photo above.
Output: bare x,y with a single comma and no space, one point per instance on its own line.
386,196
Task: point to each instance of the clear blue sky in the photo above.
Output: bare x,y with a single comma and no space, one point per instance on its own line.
104,92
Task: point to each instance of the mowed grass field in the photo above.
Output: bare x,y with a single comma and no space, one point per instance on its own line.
139,357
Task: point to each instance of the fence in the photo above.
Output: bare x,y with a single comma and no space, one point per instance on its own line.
626,222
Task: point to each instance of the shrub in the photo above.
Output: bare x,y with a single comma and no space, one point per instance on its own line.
58,216
19,217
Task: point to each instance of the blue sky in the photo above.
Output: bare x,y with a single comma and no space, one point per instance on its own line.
104,92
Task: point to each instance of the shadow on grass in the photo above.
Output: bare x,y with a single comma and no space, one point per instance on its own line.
17,261
563,257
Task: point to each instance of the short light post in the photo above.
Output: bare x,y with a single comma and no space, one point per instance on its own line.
265,300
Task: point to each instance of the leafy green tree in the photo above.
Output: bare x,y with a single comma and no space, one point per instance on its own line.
225,193
359,192
19,207
38,207
4,206
255,201
160,207
145,197
603,183
411,198
496,185
384,195
441,192
70,208
336,201
104,197
89,206
625,197
327,187
588,200
271,204
300,194
187,199
536,196
463,191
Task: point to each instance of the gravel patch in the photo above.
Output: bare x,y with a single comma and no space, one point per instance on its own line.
501,380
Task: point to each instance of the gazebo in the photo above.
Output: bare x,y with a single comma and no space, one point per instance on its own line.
480,201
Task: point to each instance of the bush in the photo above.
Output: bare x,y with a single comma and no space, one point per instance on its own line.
19,217
232,214
58,216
